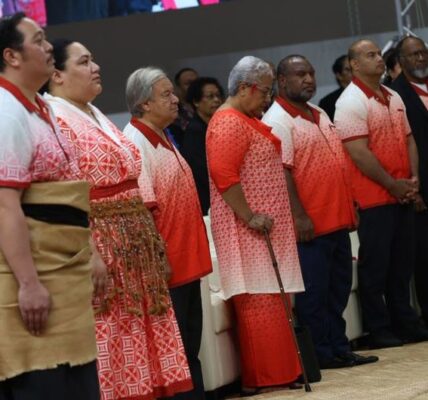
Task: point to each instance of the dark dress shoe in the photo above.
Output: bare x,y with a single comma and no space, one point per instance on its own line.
336,362
383,339
358,359
413,333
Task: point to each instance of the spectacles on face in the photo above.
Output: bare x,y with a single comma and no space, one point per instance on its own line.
265,91
416,55
212,96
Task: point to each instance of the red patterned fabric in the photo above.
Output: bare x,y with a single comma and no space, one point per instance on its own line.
361,113
268,353
238,151
140,356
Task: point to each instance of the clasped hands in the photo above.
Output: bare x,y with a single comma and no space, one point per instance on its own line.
406,191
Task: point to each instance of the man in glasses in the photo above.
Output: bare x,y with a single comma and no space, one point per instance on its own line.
322,208
412,87
371,120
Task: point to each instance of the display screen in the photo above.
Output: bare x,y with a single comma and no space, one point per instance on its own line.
51,12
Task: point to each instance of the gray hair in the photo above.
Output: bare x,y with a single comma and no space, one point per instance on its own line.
249,69
139,87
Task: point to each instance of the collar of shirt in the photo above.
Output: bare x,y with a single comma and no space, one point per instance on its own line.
41,110
371,93
296,112
150,134
420,88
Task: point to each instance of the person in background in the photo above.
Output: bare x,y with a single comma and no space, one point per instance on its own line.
343,75
393,68
140,352
323,211
206,95
411,85
248,198
175,207
182,81
47,340
372,123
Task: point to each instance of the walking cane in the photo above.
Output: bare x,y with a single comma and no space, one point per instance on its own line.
287,309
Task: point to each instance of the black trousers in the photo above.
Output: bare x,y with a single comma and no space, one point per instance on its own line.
187,303
326,263
385,266
421,261
64,382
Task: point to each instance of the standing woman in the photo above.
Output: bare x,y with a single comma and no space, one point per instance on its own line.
141,354
205,95
249,195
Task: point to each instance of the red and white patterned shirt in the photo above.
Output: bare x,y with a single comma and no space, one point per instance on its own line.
32,146
313,151
176,209
361,113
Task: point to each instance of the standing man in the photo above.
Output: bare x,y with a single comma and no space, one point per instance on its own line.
372,123
47,338
177,213
322,208
342,73
412,87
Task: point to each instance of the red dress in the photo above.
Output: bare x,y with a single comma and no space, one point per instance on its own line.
141,355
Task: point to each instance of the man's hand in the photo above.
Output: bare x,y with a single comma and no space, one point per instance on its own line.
419,203
260,222
34,303
404,190
304,228
99,273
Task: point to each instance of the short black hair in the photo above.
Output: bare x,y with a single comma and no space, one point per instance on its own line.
283,65
60,54
400,44
391,58
339,64
195,91
10,36
181,72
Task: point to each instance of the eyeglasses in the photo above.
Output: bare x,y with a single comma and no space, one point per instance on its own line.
212,96
265,91
417,54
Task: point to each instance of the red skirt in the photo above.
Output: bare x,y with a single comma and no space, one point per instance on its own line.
268,354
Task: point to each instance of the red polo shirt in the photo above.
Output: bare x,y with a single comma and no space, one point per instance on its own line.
361,113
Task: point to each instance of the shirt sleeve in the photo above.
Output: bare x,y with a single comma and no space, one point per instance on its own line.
285,133
228,141
16,153
350,118
146,178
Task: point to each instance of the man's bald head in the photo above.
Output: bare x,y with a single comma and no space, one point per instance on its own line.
357,48
365,59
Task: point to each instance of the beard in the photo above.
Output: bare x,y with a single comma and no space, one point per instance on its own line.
420,73
301,97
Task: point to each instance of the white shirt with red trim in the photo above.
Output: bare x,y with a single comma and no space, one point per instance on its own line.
176,209
361,113
313,151
32,149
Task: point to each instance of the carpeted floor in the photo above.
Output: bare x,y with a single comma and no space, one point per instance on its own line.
400,374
